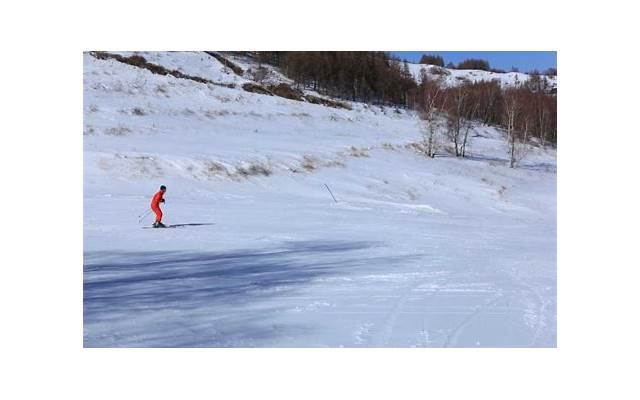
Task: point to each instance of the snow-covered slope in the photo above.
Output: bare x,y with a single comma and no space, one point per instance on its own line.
268,74
195,63
453,77
415,252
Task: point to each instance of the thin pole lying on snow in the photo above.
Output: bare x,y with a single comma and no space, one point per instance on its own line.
334,198
140,217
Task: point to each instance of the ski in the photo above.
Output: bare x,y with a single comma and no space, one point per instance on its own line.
178,225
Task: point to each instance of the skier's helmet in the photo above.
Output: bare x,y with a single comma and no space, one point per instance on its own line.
163,187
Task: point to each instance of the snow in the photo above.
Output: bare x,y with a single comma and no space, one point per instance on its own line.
272,76
194,63
417,252
453,77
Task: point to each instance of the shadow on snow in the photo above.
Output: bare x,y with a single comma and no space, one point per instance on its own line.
185,299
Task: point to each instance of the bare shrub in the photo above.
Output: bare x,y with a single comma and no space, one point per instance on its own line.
418,147
330,103
254,88
356,152
256,169
117,131
309,163
388,146
138,111
216,113
213,168
137,60
286,91
301,115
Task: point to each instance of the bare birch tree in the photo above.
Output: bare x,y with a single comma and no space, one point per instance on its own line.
467,124
460,111
433,98
511,112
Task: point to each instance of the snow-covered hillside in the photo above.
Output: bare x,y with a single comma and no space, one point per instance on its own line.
415,252
454,77
196,63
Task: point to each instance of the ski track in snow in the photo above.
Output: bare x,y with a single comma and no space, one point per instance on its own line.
452,337
387,327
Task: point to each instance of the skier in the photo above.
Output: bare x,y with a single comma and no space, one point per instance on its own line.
155,206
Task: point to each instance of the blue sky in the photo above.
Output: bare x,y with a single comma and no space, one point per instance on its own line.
523,60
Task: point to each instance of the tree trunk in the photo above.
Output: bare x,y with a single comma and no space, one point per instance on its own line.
512,139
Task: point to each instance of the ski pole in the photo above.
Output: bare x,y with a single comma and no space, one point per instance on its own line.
334,198
140,217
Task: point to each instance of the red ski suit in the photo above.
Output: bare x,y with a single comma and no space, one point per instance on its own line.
155,205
